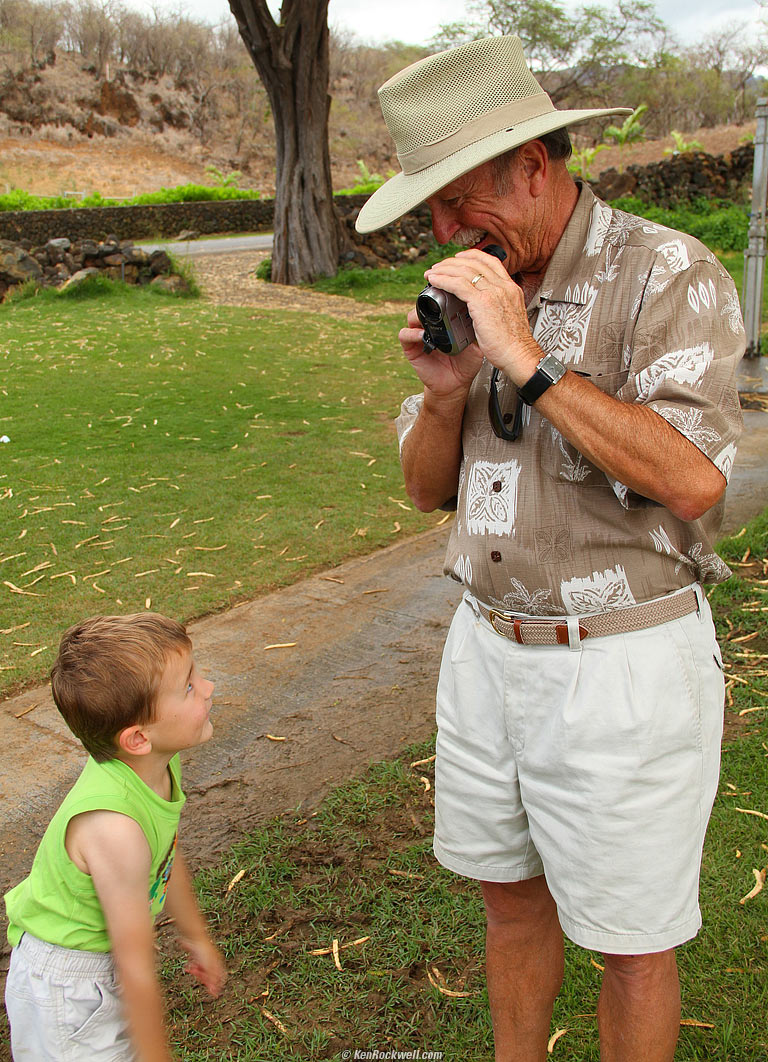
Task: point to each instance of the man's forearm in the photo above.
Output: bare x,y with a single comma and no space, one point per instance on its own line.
634,445
431,454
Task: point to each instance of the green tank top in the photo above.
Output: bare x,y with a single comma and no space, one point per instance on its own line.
57,901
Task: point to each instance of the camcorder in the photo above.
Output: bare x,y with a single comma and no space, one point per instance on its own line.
445,318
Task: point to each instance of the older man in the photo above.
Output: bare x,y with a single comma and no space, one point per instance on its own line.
585,440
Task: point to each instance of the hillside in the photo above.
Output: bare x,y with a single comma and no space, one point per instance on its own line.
64,128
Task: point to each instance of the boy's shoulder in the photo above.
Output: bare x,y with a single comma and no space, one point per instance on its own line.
56,901
111,785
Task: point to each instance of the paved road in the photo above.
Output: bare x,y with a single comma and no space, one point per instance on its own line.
257,241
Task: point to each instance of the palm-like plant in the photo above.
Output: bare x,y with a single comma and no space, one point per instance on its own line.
681,144
631,132
582,159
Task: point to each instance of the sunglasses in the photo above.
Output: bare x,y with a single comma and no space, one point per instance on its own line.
500,420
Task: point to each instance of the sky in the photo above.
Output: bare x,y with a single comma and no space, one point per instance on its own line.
416,21
413,21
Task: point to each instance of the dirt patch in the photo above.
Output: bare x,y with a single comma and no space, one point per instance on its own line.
230,279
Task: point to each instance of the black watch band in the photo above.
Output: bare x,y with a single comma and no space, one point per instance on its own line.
548,372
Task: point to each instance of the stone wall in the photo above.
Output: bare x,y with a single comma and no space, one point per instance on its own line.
681,178
63,263
676,179
163,221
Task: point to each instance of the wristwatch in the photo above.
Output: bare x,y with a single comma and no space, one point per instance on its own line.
548,372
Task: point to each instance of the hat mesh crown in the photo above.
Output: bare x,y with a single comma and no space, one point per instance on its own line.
438,95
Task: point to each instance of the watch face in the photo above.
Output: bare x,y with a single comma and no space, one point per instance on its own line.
553,368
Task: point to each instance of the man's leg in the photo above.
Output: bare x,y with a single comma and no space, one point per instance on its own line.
639,1009
524,966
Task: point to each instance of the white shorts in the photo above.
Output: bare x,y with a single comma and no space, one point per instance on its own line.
64,1006
596,767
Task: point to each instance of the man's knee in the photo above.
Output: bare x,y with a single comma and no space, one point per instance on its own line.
640,969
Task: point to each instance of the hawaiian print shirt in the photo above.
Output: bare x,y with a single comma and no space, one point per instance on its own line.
649,315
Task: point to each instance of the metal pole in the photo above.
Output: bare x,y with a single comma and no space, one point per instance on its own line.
754,256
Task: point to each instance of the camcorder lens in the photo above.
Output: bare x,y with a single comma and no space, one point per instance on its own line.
429,309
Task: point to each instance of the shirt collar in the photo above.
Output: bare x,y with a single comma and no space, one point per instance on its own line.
567,276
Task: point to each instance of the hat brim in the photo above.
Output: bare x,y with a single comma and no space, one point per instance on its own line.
402,193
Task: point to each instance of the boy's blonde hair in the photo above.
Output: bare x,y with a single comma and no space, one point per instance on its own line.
108,672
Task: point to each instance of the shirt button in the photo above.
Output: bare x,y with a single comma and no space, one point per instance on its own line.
496,487
495,556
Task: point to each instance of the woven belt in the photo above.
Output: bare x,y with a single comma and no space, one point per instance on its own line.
616,621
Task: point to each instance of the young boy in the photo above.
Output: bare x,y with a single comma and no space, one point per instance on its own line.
82,982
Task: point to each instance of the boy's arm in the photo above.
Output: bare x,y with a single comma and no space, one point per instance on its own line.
117,857
205,961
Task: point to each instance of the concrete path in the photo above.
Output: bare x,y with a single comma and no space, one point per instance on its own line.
355,687
258,241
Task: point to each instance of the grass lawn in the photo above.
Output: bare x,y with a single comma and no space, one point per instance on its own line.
405,282
169,454
410,973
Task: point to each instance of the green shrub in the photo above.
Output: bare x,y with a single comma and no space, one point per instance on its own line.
183,193
717,223
264,269
368,182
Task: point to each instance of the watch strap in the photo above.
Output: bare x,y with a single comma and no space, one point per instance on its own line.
548,372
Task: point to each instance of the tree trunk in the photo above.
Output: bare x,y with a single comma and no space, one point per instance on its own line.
292,61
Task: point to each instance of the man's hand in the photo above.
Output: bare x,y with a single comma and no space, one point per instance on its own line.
497,307
444,375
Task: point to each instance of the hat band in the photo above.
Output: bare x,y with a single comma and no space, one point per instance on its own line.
504,117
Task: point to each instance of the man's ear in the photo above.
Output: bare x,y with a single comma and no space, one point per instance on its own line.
134,740
534,160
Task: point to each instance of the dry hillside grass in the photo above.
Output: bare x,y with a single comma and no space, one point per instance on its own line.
143,162
159,133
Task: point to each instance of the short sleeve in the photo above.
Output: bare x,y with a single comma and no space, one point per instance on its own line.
687,342
409,411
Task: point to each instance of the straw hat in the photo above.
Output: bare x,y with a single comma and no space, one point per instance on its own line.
451,112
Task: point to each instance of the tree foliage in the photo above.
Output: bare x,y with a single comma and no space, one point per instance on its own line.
574,54
625,55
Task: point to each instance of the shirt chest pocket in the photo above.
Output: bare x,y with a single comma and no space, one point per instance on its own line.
560,459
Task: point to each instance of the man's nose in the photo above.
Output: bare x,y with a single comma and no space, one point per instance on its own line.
444,224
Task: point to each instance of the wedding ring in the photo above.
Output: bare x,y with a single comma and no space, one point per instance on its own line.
475,279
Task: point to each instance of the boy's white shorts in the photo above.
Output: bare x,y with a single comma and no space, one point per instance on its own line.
596,767
64,1006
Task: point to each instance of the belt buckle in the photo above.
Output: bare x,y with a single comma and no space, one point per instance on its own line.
512,621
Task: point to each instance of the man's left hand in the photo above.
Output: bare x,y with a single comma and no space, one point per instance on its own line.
497,307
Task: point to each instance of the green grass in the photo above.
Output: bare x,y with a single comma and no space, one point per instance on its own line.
396,284
18,199
184,455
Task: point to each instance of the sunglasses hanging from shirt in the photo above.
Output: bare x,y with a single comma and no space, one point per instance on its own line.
548,372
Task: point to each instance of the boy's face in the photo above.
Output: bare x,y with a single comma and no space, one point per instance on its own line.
183,707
